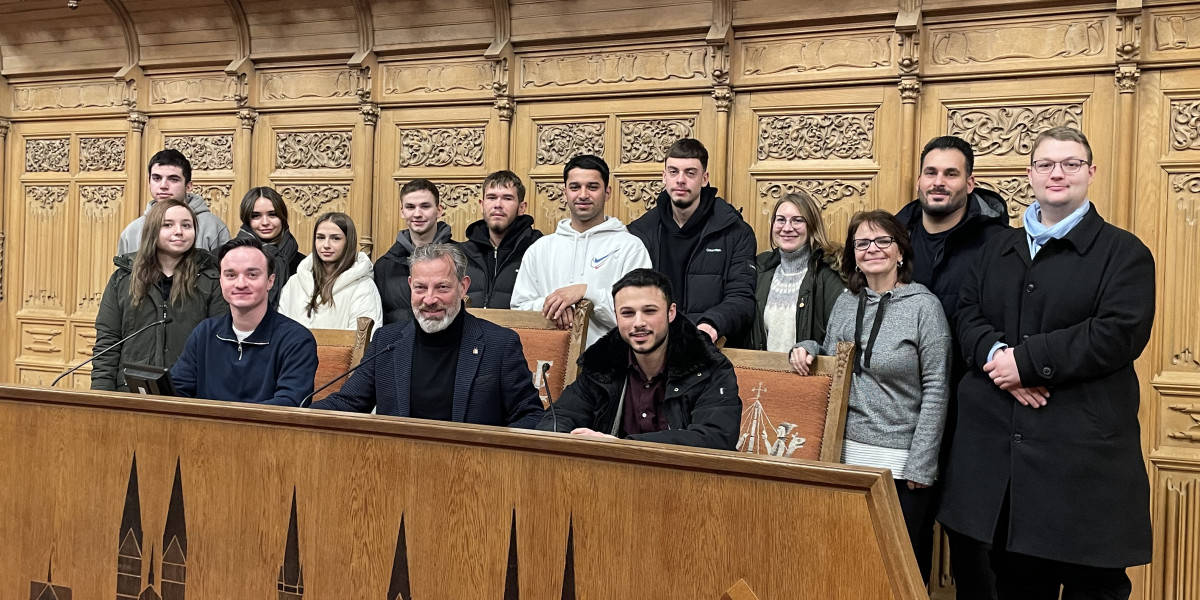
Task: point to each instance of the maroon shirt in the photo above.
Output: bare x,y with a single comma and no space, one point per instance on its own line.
644,400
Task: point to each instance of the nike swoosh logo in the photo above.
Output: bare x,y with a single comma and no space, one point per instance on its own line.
599,260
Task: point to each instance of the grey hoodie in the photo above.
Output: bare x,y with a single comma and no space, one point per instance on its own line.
211,231
899,399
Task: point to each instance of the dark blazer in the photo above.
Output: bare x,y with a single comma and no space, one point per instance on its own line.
1077,317
493,385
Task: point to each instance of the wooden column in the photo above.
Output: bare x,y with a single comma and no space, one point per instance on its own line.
362,210
910,89
723,95
135,195
243,158
5,125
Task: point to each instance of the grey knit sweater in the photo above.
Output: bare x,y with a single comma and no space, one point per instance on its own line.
899,401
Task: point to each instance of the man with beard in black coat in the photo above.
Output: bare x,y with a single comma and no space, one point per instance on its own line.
700,242
496,243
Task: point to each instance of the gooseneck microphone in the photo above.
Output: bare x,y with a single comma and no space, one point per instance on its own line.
546,384
162,321
308,399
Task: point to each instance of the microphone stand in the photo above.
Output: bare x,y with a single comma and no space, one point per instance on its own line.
307,401
550,398
162,321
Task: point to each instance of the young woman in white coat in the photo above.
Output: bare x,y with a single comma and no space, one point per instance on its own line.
333,286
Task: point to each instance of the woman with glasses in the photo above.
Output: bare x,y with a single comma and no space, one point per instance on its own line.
265,217
798,279
334,285
901,365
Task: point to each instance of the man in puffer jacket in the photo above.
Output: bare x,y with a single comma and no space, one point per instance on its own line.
496,244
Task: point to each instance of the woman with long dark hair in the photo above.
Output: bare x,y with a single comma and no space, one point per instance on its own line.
265,217
899,388
798,279
168,277
334,285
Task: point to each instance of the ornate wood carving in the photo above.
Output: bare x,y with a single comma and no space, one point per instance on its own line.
40,339
453,195
44,200
1185,357
32,98
816,136
641,196
440,78
1187,200
647,141
550,201
834,53
85,337
313,150
1185,125
681,64
1181,545
313,199
205,152
47,155
1009,130
1192,433
100,201
1177,32
193,90
559,143
102,153
1065,39
1129,39
329,83
910,89
1015,191
1127,77
216,196
442,147
824,191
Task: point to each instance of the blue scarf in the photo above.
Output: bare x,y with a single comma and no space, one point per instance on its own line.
1039,234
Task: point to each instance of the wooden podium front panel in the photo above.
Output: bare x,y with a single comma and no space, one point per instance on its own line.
217,484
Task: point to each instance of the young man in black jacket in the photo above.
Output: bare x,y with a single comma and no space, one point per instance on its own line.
653,378
497,242
700,242
421,207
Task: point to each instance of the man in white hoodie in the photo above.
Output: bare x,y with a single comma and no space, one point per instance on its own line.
585,256
170,176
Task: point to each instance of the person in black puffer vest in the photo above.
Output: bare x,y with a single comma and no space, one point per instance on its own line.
496,243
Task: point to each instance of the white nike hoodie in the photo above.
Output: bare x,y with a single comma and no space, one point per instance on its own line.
597,257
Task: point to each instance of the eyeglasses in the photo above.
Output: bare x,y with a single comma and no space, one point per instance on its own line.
795,221
1071,165
882,242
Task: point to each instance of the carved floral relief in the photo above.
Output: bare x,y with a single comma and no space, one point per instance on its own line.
1008,130
1015,191
47,155
453,195
615,67
647,141
771,58
1177,32
432,79
216,196
69,96
1055,40
313,150
340,83
442,147
205,152
1187,196
559,143
550,201
100,201
816,136
193,90
641,196
45,200
102,153
313,199
1185,125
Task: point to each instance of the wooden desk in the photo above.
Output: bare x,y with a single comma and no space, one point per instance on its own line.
217,485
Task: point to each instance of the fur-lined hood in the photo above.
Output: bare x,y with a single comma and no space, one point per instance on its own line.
688,350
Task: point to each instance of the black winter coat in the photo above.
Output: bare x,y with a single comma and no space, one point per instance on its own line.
158,346
493,271
701,403
721,278
818,292
391,275
1077,316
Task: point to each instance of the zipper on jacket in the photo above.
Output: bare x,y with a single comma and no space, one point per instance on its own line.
239,344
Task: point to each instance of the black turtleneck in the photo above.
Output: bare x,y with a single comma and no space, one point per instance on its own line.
434,365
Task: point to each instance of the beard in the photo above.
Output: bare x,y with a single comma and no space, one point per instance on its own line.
650,349
429,325
943,209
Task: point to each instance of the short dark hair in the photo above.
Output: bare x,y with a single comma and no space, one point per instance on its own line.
171,158
245,242
1062,134
645,278
418,185
587,162
951,142
881,219
689,148
501,179
277,203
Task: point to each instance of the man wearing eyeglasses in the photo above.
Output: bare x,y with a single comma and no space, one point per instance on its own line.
1045,491
947,224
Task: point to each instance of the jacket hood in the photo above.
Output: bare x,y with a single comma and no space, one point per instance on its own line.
982,205
196,201
719,213
478,232
687,350
905,291
610,224
361,269
404,238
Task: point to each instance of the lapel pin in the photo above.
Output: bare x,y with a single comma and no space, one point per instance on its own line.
474,350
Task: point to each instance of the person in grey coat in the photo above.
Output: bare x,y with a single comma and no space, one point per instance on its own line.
899,389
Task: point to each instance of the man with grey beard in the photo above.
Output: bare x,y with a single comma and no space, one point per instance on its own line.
445,364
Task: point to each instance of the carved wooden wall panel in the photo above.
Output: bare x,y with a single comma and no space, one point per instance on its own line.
220,172
449,146
824,144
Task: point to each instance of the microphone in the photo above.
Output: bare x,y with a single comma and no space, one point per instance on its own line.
308,399
546,385
162,321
